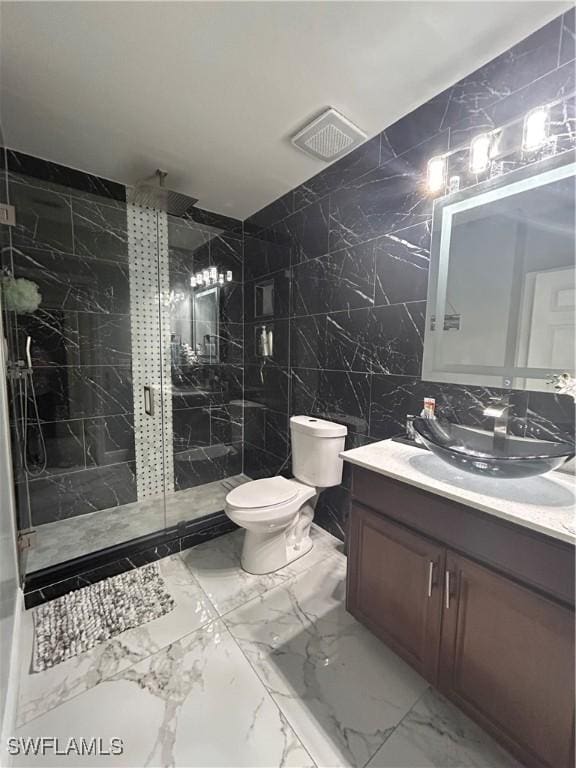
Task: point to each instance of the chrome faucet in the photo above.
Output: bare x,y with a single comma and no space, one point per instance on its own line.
499,410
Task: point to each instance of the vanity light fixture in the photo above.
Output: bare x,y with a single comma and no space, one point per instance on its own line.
536,129
436,176
480,153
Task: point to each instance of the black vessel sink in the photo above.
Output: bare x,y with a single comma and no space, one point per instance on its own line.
475,451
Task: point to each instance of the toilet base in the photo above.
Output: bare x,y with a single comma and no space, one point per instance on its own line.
268,552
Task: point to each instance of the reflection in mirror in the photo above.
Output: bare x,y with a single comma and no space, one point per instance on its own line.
502,295
205,324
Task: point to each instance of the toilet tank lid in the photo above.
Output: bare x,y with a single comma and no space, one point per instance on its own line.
317,427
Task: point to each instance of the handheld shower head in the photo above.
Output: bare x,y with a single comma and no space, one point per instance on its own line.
28,351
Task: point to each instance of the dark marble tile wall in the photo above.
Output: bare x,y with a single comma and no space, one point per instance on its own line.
64,176
207,385
70,239
345,256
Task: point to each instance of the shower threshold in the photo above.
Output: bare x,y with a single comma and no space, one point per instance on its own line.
73,537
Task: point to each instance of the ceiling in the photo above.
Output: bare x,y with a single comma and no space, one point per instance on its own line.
211,91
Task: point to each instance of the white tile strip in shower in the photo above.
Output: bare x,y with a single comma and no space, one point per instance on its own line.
150,331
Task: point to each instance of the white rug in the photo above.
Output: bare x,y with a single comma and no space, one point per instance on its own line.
76,622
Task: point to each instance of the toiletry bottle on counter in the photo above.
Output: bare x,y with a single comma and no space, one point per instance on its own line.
428,412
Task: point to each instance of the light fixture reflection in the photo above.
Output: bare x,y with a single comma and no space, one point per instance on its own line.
480,153
453,184
536,127
436,174
211,276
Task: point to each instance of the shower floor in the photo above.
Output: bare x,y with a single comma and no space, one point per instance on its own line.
76,536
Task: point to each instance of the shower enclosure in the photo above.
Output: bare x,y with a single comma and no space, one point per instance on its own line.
125,347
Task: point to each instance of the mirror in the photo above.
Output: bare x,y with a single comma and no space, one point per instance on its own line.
501,296
205,324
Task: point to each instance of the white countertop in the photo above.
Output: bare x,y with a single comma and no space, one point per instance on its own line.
544,503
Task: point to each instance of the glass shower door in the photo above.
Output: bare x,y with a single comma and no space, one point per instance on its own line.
83,293
207,364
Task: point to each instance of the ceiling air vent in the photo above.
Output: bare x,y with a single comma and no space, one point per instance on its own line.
329,136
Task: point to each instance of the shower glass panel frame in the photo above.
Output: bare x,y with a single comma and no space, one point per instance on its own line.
94,263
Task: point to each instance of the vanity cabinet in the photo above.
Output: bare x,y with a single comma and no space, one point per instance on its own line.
393,587
507,659
493,636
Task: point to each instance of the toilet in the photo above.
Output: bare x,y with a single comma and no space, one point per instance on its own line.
277,512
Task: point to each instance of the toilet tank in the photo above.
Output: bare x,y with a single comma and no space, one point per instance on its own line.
315,447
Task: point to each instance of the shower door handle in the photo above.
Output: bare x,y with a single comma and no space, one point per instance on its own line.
148,401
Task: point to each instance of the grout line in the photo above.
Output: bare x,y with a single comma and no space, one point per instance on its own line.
270,696
395,728
560,41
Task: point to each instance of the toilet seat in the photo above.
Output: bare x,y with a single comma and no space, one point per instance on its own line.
262,494
258,503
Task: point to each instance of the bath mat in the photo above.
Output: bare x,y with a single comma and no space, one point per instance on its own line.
78,621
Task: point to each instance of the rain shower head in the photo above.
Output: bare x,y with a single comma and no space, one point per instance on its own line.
151,193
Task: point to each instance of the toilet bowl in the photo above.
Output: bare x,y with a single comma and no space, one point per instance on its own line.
277,512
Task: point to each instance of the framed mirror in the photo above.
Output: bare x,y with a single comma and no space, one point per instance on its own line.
502,294
206,324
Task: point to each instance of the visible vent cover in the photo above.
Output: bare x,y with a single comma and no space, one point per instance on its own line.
329,136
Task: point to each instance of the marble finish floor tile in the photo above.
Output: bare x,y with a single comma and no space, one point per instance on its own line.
216,566
40,692
435,734
63,540
341,689
195,703
285,678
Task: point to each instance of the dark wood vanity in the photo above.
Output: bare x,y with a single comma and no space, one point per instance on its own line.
481,607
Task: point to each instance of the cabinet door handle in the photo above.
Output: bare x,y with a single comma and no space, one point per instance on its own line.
447,590
430,577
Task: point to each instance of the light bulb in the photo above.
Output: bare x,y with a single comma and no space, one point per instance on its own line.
206,275
436,174
199,278
229,276
480,153
213,274
536,127
193,281
221,278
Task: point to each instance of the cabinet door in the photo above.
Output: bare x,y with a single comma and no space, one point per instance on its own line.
507,658
394,587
